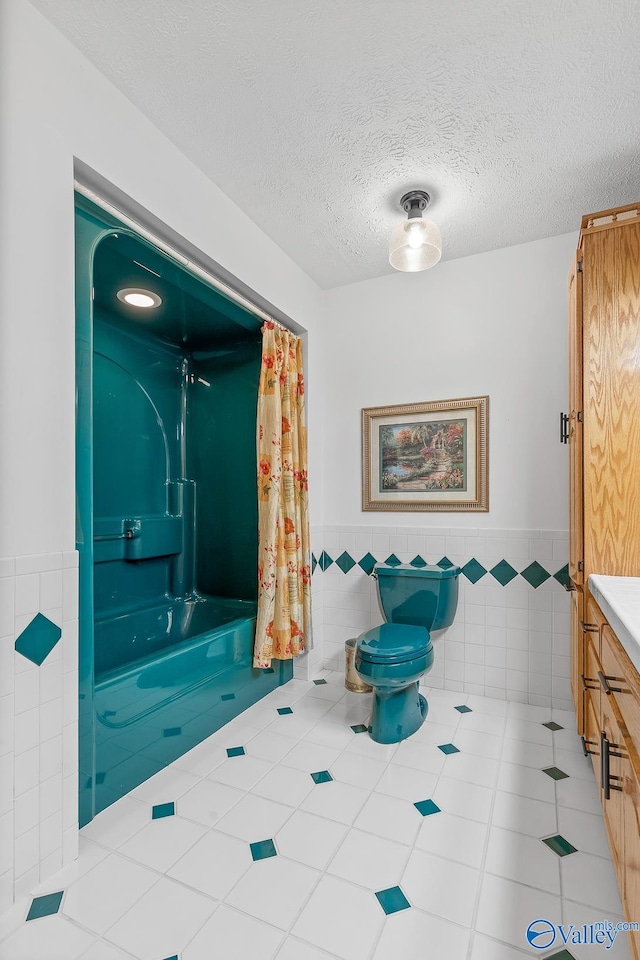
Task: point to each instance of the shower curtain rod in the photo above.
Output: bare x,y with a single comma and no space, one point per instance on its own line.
171,251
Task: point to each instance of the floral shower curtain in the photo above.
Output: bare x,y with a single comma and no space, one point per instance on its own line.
283,627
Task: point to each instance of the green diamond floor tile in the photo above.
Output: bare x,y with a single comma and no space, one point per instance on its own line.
448,748
161,810
463,708
555,773
359,727
418,562
319,682
427,807
367,563
263,849
345,561
284,711
535,574
322,776
38,639
552,725
45,906
473,570
560,846
392,900
324,561
563,955
235,751
503,572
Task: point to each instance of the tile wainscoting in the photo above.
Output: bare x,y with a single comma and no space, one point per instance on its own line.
38,719
510,638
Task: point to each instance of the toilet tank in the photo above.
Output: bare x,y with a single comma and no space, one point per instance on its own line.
425,596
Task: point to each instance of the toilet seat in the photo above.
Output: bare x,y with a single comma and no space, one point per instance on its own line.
393,643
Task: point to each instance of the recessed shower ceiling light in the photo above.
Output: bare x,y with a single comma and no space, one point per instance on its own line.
137,297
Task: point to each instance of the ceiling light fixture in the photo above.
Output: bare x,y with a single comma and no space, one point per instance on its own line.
137,297
416,244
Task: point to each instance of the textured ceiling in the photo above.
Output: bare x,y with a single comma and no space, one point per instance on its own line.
314,116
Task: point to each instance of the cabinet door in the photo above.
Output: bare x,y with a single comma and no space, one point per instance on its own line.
576,521
577,657
591,704
631,885
613,759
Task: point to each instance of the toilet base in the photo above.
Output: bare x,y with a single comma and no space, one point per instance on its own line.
396,714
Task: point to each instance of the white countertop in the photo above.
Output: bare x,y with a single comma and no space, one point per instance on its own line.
619,600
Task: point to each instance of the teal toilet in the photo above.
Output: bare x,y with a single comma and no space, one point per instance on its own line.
393,657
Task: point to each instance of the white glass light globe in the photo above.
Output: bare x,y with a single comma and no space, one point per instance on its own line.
415,245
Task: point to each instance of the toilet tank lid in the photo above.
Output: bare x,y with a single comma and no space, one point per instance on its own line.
429,572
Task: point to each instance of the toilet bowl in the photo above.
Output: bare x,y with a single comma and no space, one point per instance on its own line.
394,656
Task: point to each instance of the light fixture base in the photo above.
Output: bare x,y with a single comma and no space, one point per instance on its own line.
414,202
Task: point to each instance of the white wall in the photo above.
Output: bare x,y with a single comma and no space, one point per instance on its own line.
489,324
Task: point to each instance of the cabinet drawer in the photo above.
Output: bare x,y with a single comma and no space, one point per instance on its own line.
620,680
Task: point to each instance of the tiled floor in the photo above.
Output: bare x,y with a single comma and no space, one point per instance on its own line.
315,842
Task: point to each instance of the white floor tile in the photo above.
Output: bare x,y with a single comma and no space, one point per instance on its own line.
533,817
506,909
575,764
274,890
337,801
413,935
232,935
268,746
420,756
285,785
254,818
518,729
163,921
432,732
362,745
90,854
496,708
118,822
357,770
389,817
202,759
104,894
309,839
526,782
214,864
586,831
579,914
485,949
168,784
241,772
478,743
441,887
454,838
208,801
405,783
464,800
579,795
369,861
311,757
330,734
161,842
470,769
523,859
104,951
590,880
53,938
327,921
293,949
482,723
525,711
535,755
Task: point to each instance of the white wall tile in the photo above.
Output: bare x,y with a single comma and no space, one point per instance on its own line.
27,594
7,606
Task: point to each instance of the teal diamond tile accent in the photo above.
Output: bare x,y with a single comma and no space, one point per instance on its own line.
322,776
563,955
552,725
283,711
45,906
345,562
473,570
448,748
463,708
427,807
314,563
392,900
535,574
263,849
560,846
235,751
418,562
503,572
38,639
320,681
359,727
172,731
392,561
228,696
174,957
445,563
562,576
367,563
161,810
325,561
555,773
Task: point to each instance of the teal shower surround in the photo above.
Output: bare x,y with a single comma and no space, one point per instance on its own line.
167,511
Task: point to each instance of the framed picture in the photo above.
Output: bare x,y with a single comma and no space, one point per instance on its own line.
426,456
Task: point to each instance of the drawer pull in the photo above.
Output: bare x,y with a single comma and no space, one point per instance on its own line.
605,769
585,746
586,681
588,627
604,683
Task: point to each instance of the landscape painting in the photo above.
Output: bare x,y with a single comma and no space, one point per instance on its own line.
426,456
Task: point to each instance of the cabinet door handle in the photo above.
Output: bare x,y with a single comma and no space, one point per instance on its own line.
586,681
604,683
588,627
585,746
605,766
564,428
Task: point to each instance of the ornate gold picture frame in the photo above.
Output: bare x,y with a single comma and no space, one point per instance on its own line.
426,456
